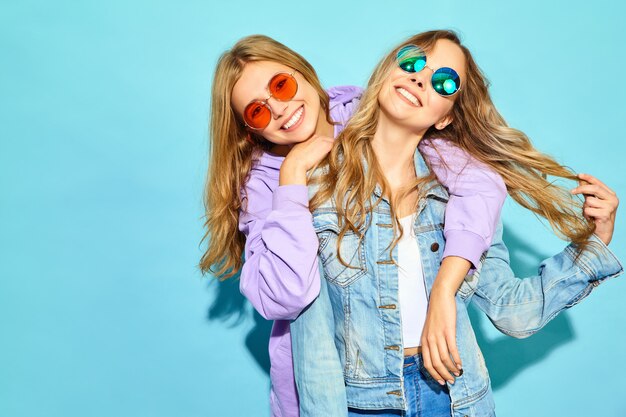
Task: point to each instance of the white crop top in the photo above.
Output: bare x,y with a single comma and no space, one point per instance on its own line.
411,288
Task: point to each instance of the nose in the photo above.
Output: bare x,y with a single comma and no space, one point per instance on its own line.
278,107
419,79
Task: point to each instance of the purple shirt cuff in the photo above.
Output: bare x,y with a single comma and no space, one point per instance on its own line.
464,244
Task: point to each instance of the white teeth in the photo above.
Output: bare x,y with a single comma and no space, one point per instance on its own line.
294,119
408,96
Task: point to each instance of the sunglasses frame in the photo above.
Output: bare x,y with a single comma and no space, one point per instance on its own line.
430,68
264,102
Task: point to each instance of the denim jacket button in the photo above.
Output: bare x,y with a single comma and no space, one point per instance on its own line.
434,247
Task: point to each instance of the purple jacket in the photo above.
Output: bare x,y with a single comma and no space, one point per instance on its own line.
280,275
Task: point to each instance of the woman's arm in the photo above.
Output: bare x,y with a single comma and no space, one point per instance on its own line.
477,194
280,275
521,307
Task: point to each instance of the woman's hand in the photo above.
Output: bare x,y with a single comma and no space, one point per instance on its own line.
600,205
302,157
439,336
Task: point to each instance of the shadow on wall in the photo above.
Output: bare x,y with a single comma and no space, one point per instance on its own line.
232,308
507,356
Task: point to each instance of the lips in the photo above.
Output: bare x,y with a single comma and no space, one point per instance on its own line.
410,97
294,119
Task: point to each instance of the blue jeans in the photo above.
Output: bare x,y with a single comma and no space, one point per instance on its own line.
425,397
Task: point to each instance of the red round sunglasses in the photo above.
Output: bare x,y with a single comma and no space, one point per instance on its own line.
283,87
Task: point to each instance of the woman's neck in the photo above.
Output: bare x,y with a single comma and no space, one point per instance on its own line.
394,147
324,127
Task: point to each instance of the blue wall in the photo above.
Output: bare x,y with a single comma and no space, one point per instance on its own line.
103,142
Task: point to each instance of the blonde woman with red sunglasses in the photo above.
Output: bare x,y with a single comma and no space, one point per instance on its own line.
271,121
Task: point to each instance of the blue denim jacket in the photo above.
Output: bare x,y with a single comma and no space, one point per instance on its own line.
347,346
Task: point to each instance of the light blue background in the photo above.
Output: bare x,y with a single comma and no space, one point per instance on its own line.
103,143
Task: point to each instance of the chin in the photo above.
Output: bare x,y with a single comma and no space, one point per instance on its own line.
307,130
294,138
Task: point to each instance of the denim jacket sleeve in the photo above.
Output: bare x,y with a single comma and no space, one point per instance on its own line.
280,275
317,369
521,307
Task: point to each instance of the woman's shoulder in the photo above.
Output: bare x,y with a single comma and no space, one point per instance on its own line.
344,94
266,166
263,177
344,101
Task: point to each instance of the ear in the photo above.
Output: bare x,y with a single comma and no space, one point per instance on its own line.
444,122
249,138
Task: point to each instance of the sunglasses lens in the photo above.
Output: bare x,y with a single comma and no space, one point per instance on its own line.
446,81
257,115
410,58
283,87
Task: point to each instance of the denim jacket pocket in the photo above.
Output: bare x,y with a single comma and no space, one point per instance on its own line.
351,250
352,254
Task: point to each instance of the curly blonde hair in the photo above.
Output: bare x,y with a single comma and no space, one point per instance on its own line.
477,128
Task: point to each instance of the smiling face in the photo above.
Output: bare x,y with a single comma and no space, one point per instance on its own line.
409,100
292,121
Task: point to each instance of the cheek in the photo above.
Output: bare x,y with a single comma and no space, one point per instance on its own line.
442,106
312,104
312,98
384,97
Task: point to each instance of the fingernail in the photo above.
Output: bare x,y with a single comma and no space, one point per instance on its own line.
451,381
457,374
441,382
460,367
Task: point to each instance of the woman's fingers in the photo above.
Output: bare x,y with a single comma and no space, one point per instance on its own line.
590,185
444,355
454,352
600,205
437,364
593,190
596,214
593,180
597,195
594,202
428,364
606,209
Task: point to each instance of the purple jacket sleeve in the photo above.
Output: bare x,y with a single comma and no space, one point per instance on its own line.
280,275
477,194
344,100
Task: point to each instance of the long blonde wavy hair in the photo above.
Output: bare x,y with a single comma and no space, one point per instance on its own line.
351,172
233,149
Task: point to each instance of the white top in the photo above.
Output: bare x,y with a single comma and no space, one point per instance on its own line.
411,288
